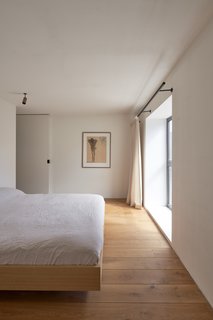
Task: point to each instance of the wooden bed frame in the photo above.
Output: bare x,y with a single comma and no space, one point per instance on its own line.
50,277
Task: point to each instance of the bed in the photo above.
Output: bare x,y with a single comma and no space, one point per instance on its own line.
50,241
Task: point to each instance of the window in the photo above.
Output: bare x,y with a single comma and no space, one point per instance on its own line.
169,162
158,166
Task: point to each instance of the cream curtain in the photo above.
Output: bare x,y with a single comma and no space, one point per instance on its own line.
134,197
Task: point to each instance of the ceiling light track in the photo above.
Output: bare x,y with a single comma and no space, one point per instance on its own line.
24,100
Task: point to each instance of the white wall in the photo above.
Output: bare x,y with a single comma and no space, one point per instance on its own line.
192,80
7,144
193,161
67,175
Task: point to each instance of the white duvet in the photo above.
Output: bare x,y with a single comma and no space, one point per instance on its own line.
50,229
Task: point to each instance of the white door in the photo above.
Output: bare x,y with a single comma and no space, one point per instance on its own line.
32,153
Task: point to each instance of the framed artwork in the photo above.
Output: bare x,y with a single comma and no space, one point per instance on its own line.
96,149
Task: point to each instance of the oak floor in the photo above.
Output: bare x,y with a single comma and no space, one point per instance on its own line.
143,279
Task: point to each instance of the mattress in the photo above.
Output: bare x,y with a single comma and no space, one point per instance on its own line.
50,229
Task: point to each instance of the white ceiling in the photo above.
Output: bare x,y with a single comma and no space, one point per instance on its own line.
92,56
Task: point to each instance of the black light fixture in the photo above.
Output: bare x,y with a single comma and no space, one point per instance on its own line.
24,101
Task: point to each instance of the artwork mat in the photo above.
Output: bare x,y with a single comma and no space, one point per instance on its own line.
85,163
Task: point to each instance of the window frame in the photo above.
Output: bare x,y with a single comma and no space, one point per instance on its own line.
168,165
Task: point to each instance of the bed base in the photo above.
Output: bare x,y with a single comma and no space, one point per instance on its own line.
50,278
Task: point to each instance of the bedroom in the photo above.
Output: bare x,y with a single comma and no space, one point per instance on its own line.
96,81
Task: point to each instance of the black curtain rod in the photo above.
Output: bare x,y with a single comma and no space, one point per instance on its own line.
152,97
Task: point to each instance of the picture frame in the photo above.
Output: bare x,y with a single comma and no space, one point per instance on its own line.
96,149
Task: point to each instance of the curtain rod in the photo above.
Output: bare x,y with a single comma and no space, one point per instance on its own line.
152,97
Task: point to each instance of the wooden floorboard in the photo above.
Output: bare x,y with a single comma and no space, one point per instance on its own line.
146,277
143,279
110,251
142,263
106,311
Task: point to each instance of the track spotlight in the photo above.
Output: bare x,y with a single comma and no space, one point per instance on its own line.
24,101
